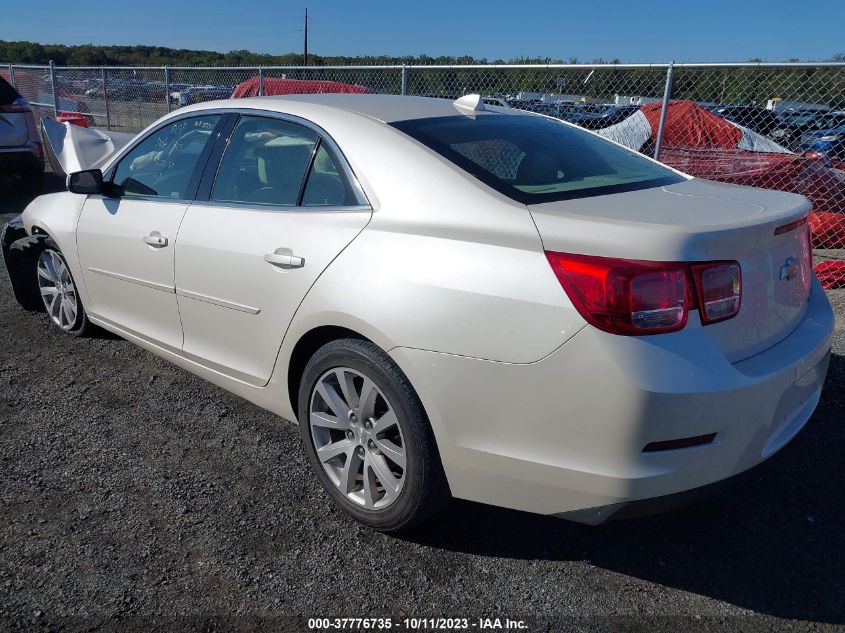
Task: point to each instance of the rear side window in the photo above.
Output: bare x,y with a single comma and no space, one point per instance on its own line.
326,186
534,160
265,162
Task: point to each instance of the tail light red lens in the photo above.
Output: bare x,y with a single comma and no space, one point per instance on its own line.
624,296
658,300
719,286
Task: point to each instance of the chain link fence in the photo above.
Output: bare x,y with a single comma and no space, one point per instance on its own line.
777,126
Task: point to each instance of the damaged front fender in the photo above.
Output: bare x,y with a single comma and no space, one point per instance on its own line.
20,254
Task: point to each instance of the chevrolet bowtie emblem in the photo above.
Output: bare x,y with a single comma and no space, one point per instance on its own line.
790,268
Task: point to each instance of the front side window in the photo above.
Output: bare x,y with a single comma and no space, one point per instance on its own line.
534,160
265,162
165,163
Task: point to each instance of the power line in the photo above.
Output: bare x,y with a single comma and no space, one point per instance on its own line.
306,36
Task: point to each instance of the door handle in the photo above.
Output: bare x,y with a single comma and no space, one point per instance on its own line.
155,239
284,259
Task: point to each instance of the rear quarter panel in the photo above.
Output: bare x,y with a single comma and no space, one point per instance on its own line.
446,264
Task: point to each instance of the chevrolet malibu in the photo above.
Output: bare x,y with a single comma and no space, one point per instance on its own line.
451,299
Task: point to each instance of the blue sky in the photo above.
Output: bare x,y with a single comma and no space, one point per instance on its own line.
633,31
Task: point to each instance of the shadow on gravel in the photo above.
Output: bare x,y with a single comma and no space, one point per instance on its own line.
771,542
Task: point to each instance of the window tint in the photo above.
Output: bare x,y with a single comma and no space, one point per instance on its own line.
265,162
163,164
326,187
533,159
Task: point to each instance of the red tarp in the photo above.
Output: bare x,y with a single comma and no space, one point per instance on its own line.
689,125
249,88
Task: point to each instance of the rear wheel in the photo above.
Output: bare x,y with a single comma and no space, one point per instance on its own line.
368,438
58,291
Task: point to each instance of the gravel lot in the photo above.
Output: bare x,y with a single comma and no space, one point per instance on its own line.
131,490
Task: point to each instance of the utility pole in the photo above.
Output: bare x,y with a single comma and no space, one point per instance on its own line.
306,36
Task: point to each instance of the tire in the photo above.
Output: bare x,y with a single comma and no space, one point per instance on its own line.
392,426
58,291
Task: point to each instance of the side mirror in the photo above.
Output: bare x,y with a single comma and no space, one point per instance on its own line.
86,182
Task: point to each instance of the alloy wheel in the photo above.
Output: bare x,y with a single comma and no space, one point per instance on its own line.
57,289
357,438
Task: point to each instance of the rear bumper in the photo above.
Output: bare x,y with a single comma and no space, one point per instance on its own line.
567,433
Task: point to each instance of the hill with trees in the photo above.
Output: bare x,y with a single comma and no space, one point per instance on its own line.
141,55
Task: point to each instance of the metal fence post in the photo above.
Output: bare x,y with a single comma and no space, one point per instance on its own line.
167,87
404,87
53,87
106,99
667,95
12,79
260,81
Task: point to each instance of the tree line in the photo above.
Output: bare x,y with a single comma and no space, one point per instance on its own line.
21,52
140,55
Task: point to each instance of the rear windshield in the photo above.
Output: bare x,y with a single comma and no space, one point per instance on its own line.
533,159
7,93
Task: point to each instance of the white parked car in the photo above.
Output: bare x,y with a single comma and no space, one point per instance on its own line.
450,298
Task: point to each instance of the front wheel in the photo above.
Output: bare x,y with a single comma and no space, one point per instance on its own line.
368,438
58,291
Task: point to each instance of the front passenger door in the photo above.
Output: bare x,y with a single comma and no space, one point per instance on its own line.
126,239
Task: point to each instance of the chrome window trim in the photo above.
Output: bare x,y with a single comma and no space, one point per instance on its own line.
256,206
161,199
360,195
323,137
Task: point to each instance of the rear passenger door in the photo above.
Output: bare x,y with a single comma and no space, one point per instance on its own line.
277,210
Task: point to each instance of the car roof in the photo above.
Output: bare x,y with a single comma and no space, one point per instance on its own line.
385,108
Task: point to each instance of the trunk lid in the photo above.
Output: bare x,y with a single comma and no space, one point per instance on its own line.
698,220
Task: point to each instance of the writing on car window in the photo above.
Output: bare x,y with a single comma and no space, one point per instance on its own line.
164,163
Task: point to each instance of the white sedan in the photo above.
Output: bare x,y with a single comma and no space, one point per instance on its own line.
452,299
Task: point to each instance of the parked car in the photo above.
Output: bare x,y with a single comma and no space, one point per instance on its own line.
510,310
598,116
793,123
197,94
827,141
559,110
21,152
500,102
760,120
529,105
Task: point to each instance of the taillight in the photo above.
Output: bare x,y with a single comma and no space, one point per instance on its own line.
624,296
719,286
